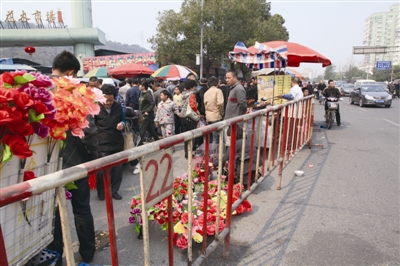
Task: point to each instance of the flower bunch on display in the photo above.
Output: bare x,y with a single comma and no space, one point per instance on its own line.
180,211
26,107
31,103
73,102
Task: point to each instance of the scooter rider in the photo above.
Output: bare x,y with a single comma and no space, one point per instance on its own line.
331,91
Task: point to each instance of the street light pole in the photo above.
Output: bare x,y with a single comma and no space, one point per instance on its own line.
201,40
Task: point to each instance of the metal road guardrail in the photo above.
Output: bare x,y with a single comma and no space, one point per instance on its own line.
288,128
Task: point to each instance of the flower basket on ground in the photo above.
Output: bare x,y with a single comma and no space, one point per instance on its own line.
159,212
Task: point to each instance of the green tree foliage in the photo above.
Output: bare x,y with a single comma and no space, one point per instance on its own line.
396,72
380,75
329,72
353,73
225,23
385,75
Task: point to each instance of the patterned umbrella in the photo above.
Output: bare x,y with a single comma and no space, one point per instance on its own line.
130,70
100,72
262,57
295,53
173,72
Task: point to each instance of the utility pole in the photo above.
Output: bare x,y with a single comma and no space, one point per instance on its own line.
201,40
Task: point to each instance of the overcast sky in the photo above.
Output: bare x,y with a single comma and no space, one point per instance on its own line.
331,28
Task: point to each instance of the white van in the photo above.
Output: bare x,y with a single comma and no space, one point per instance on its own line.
360,82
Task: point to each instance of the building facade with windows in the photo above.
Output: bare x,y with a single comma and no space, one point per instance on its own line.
383,29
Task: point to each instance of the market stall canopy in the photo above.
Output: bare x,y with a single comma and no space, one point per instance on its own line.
154,67
100,72
14,67
296,53
130,70
259,58
173,72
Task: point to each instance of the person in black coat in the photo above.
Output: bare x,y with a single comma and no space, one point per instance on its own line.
225,91
110,122
76,151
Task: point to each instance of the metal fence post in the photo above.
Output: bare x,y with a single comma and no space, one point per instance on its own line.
205,198
3,252
231,176
190,202
110,216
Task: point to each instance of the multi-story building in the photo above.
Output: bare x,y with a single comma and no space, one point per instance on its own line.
383,29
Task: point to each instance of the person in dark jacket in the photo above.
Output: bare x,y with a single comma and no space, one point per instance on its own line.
251,92
146,106
76,151
225,91
110,122
310,88
132,95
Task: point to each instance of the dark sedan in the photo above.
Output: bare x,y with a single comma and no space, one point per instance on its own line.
370,94
347,89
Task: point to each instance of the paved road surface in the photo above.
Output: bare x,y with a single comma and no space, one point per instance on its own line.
343,211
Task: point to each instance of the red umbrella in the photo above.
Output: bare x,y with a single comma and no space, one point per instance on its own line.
297,53
130,70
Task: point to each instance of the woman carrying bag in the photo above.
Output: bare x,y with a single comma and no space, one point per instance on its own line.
190,113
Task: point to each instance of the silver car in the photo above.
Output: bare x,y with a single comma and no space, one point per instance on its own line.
370,94
347,89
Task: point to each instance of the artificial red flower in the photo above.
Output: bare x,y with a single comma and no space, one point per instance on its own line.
23,100
182,242
162,206
6,95
185,218
240,209
18,146
8,78
182,191
247,206
19,126
28,175
40,108
210,229
5,117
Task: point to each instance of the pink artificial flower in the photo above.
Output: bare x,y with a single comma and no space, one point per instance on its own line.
131,219
78,132
41,80
98,96
182,242
68,195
